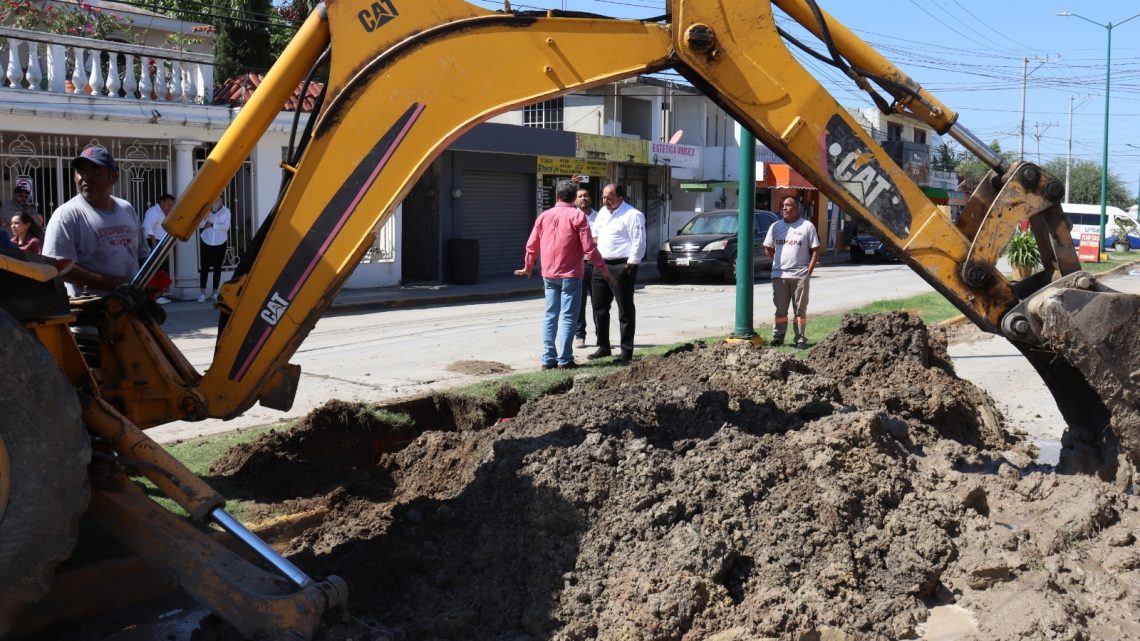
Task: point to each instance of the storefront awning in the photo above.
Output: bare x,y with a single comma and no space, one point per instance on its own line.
707,185
784,177
947,196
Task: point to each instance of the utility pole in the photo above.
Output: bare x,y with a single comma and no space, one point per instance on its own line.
1039,129
1069,158
1024,80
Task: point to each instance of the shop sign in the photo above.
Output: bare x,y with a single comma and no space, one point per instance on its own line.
663,153
561,166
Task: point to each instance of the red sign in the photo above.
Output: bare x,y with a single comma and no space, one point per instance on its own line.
1088,250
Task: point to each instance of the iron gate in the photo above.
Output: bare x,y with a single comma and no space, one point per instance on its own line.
43,161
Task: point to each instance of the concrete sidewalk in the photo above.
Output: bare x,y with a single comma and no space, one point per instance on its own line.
493,288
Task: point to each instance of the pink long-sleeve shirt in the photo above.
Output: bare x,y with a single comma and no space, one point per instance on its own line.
561,235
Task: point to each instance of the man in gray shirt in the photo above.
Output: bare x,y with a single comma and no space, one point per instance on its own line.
100,233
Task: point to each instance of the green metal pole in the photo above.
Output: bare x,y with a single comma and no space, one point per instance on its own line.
745,229
1104,157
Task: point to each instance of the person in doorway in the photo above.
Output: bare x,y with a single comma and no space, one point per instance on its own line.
793,245
19,204
26,233
100,233
212,236
620,229
152,229
561,236
583,203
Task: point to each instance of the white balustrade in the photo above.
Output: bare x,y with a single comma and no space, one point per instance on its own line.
146,84
113,83
15,67
175,81
34,74
130,85
44,62
79,71
57,68
95,78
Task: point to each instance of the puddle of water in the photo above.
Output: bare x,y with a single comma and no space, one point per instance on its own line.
948,623
1050,450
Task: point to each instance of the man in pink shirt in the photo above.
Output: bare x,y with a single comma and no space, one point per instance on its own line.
561,236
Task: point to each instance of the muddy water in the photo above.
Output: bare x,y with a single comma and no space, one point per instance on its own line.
948,623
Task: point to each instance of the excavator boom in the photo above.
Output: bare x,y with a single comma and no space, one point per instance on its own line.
406,79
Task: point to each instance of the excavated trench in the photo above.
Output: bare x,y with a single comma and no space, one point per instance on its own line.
717,492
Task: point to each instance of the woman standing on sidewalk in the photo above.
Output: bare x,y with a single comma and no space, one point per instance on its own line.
212,236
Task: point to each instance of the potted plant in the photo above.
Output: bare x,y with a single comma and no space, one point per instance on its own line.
1023,254
1122,229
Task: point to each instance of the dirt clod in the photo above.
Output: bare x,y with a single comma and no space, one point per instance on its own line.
719,492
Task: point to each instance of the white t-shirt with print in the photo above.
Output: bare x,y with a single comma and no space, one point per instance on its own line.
793,243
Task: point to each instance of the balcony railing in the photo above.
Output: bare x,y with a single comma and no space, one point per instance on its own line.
47,62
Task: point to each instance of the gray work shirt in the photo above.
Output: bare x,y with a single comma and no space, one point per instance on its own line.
105,241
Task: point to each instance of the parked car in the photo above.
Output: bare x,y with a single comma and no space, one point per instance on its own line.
863,245
706,245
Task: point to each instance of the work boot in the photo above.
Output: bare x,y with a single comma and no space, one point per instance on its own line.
601,352
777,341
801,343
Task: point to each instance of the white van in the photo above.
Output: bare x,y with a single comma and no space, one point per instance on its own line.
1086,220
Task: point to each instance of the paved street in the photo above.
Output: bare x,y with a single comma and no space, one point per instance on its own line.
384,354
379,355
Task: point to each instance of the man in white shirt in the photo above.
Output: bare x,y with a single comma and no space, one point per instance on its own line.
152,228
620,229
793,245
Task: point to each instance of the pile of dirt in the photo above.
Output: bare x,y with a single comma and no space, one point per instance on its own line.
718,492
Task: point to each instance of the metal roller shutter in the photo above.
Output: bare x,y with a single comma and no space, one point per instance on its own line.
495,211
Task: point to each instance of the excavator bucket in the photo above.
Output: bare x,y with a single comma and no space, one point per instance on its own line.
1083,338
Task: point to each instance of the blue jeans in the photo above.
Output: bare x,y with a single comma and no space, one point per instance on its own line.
562,300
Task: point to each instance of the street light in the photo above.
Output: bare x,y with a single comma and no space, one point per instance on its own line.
1107,86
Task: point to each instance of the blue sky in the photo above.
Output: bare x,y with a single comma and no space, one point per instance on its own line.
970,54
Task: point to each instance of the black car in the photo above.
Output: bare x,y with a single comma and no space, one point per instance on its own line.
707,246
864,245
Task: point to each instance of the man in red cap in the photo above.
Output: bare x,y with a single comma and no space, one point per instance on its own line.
99,232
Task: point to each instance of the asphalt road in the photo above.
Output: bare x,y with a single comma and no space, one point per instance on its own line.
384,354
381,355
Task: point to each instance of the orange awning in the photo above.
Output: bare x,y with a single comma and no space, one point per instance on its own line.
784,177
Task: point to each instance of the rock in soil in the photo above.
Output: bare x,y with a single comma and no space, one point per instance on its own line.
718,492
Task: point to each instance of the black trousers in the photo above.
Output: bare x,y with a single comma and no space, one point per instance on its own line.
212,257
603,296
587,286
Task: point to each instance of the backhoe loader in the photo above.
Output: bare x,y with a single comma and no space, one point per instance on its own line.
405,79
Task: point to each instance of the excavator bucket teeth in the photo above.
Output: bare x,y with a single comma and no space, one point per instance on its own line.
1084,339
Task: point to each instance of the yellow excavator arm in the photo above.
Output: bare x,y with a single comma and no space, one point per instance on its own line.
408,78
405,79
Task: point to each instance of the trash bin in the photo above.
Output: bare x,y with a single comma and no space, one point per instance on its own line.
463,261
